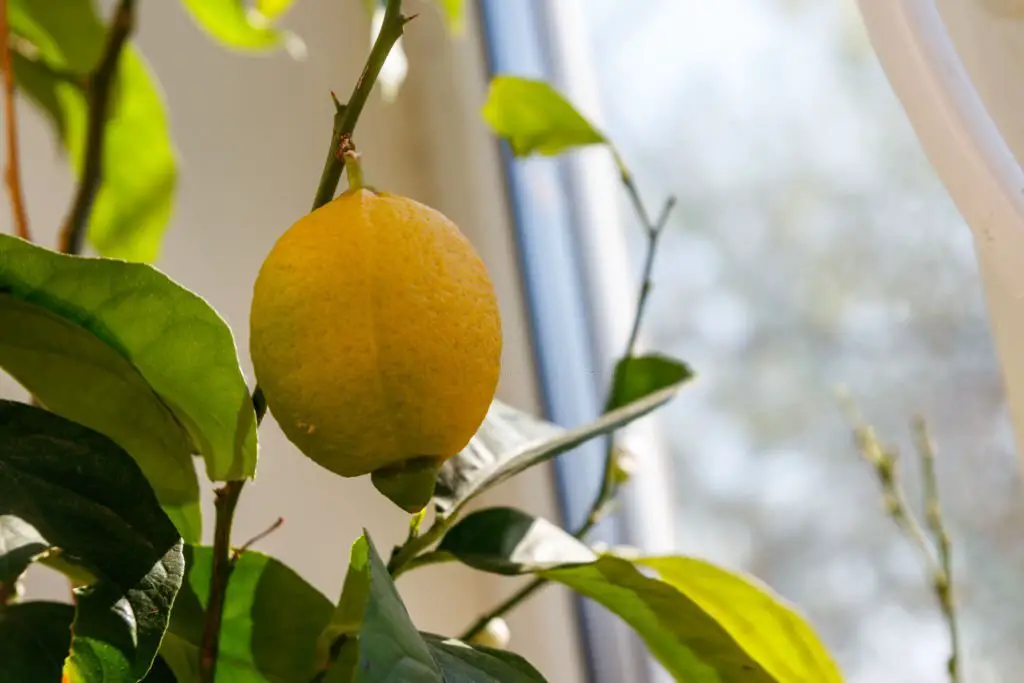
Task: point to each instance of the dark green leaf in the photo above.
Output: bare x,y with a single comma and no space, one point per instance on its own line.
20,543
133,205
768,630
462,663
510,441
174,340
391,650
233,24
691,633
272,618
86,496
372,639
34,640
638,376
533,117
509,541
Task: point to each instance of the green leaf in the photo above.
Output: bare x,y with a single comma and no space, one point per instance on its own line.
533,117
34,640
510,541
271,621
454,14
234,25
390,648
77,375
20,543
768,630
693,636
86,496
462,663
510,441
638,376
173,340
133,204
372,639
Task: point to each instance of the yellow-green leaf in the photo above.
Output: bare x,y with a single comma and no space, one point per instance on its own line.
235,25
534,118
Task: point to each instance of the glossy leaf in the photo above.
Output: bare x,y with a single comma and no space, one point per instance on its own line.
690,640
133,204
510,541
769,630
390,647
174,340
34,640
85,495
272,618
233,24
371,638
77,375
462,663
534,118
509,442
638,376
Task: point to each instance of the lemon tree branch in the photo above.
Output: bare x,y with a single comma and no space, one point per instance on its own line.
12,174
345,119
100,91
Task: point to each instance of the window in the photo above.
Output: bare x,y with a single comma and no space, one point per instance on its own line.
813,247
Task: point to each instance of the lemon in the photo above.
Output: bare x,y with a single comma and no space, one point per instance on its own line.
375,335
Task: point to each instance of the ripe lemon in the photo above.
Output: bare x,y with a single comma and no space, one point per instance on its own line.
375,335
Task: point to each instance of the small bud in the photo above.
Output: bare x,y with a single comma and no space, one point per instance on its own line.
625,466
495,635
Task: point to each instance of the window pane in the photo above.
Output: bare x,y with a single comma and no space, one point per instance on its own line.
814,247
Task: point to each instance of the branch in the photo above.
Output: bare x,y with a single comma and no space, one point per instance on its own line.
347,116
935,553
653,230
510,604
99,93
12,173
223,564
345,119
942,582
609,483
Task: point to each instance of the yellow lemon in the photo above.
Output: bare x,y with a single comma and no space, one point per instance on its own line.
375,335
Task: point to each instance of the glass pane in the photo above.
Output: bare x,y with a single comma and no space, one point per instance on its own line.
814,247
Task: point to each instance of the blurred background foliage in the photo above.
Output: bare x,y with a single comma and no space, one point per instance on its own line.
813,247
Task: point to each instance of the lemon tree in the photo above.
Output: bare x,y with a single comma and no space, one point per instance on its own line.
376,339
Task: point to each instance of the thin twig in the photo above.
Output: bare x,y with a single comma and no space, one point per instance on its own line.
347,116
12,174
609,482
935,552
510,604
943,579
100,92
653,231
257,538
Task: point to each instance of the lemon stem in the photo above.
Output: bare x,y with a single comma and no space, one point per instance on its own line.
353,170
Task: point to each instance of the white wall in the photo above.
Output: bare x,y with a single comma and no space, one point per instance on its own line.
252,135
